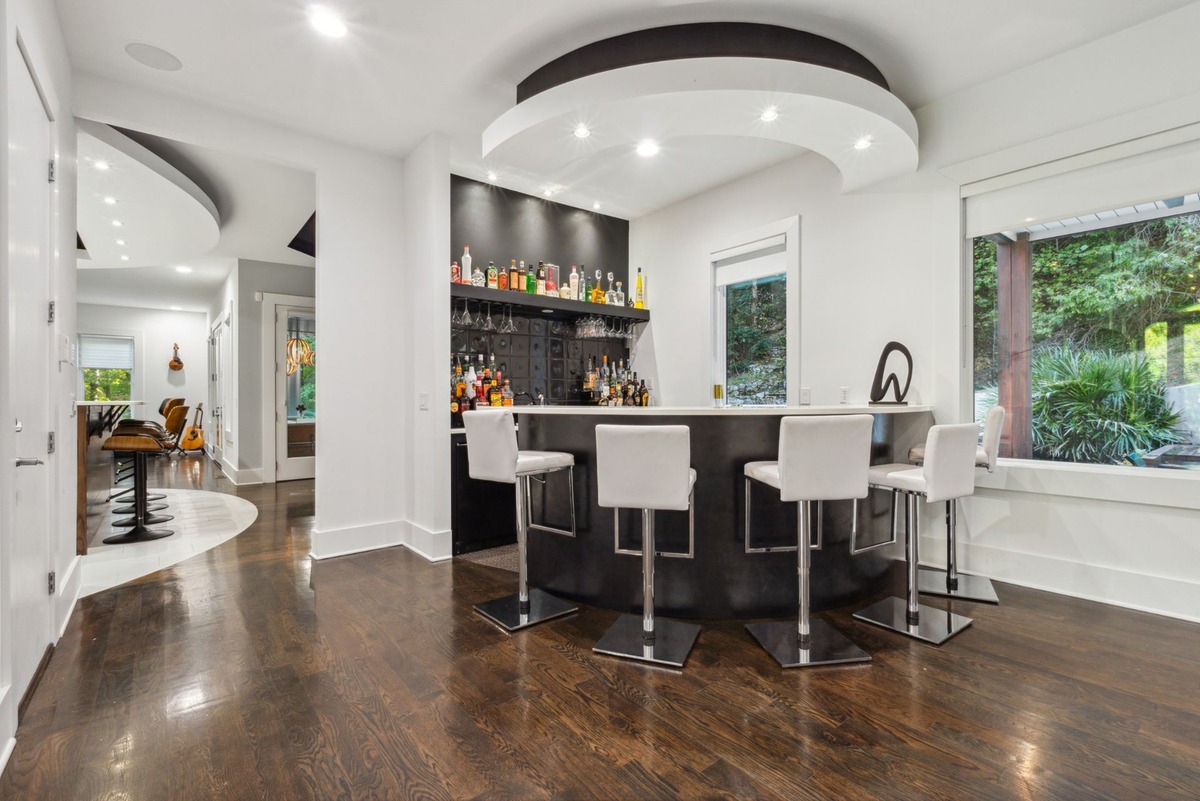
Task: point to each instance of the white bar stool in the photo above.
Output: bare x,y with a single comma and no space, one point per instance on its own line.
948,473
492,455
950,582
660,478
820,459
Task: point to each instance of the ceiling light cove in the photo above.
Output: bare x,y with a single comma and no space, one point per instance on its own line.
699,87
647,148
326,22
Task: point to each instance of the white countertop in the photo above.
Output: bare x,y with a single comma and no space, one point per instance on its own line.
110,403
670,411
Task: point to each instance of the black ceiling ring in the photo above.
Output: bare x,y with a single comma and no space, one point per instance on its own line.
699,40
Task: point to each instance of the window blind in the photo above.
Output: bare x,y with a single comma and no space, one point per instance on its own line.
105,353
759,263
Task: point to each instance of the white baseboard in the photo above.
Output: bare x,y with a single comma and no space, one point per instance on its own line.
434,546
346,541
241,478
6,752
68,593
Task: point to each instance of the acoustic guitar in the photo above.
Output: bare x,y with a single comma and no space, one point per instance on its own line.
176,363
193,438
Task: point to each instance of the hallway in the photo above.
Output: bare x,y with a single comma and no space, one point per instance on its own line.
237,675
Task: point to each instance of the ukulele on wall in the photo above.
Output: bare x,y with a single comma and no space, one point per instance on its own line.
176,362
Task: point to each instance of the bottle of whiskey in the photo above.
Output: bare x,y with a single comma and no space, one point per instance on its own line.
513,275
502,278
493,276
506,393
541,278
644,394
519,286
639,297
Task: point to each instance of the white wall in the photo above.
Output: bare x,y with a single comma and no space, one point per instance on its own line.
155,331
37,25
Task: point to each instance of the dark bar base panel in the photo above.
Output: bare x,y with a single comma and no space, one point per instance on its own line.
722,581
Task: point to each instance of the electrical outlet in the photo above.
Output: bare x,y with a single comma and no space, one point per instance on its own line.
423,401
805,396
844,397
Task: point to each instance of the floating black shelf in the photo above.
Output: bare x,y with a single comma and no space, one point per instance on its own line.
551,307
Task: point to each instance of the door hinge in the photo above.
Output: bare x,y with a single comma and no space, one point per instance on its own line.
50,315
50,173
50,583
50,443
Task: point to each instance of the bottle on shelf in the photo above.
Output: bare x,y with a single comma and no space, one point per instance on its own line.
585,292
531,280
519,286
477,277
644,394
468,275
496,393
455,273
472,377
512,275
493,276
502,278
639,293
610,295
597,290
541,278
506,393
620,295
573,284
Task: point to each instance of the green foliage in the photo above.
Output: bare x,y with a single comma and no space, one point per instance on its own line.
1096,406
756,342
308,383
106,384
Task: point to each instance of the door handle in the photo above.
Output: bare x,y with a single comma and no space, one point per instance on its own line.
20,426
28,461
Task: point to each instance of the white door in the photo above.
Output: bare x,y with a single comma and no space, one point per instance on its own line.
295,387
215,438
29,379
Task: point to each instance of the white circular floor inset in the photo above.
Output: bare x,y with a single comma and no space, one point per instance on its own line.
203,520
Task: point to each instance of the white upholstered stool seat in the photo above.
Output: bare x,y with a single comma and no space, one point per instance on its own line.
948,473
534,462
492,455
916,455
821,458
661,478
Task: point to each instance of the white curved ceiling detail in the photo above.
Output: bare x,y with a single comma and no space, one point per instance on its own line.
165,217
820,109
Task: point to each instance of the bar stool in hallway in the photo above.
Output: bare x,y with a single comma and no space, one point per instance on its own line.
660,478
950,582
820,459
492,455
137,525
947,474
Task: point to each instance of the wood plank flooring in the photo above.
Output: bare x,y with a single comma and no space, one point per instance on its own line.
249,672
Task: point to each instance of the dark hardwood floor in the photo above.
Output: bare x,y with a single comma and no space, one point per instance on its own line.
248,672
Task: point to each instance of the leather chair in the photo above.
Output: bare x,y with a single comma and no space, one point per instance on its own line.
138,525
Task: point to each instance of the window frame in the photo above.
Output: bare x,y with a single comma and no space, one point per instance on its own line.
135,378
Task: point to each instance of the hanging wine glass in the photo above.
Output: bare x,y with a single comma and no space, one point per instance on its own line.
466,316
507,326
488,325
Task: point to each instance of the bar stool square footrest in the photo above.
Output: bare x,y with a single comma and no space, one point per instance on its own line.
934,625
506,612
970,588
673,641
826,645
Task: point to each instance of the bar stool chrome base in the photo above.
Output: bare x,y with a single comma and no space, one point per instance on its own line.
671,645
138,534
506,612
931,581
826,645
934,625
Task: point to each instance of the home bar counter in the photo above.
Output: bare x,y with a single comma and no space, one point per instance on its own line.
722,581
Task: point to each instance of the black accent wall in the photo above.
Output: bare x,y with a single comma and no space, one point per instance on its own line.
501,225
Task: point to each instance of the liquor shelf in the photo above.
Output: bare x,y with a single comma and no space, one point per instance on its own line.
547,305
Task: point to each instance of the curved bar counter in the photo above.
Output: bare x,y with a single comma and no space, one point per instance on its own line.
721,581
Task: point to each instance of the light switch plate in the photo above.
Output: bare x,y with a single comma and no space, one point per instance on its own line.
805,396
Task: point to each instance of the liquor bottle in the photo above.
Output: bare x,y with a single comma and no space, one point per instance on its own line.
573,283
604,371
597,291
477,277
502,278
493,276
620,295
506,393
610,296
541,278
495,393
467,275
639,297
644,393
519,286
512,274
472,377
531,280
585,294
460,381
455,273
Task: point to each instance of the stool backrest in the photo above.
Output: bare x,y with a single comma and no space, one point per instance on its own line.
491,445
949,467
993,426
643,467
176,420
824,458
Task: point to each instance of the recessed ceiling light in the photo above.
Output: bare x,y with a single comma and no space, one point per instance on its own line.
491,176
547,191
117,223
770,113
596,205
112,201
326,22
1028,219
153,57
582,132
176,308
863,143
124,258
100,165
121,242
183,269
647,148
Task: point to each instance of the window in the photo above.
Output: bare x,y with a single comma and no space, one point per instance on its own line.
106,367
1088,332
752,326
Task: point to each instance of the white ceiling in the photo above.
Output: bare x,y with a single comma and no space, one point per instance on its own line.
410,68
261,207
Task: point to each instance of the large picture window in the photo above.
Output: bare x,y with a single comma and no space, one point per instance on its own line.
751,323
1088,332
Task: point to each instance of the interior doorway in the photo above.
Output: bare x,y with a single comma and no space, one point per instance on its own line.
290,361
